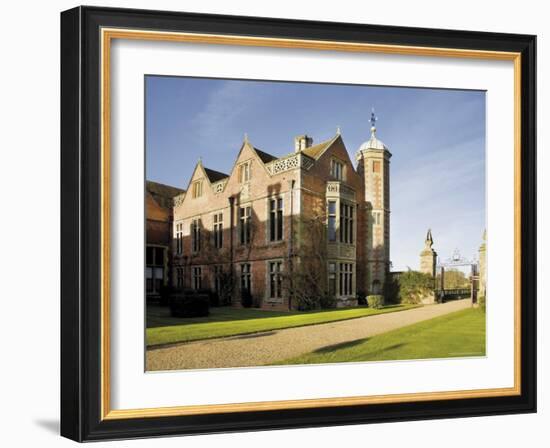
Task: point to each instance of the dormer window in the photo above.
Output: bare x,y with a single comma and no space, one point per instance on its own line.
197,189
337,169
244,172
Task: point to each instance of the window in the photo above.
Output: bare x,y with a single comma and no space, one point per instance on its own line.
179,238
332,220
218,230
332,279
245,277
197,189
179,277
275,279
218,276
245,218
154,270
376,218
376,166
346,223
196,235
276,219
346,279
197,277
244,172
337,169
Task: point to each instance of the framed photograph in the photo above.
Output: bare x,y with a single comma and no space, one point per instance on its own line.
274,223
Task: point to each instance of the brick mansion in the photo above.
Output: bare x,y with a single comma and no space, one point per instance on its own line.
273,226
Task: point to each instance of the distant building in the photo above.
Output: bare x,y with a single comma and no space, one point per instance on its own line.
159,213
270,219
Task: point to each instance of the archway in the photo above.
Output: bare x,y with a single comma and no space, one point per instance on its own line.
445,291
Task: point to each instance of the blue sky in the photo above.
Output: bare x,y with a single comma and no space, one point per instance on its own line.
437,138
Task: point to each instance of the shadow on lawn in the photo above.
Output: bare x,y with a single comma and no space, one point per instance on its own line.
349,344
340,346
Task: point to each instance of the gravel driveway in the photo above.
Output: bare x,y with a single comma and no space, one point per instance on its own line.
272,346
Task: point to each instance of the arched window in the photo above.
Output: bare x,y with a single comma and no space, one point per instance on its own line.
376,286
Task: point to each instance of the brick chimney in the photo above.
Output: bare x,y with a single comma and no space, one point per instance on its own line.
302,142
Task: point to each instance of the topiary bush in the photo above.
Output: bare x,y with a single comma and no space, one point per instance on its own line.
375,301
189,305
213,296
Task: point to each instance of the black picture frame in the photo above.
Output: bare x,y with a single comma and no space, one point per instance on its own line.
81,224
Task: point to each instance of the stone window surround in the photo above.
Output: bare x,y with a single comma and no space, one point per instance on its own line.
268,219
244,171
197,277
338,201
239,222
195,231
268,281
197,188
249,274
217,229
335,161
339,271
178,232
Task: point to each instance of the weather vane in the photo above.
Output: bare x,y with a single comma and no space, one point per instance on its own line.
373,118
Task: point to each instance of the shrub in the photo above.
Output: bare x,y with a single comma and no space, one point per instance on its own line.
189,305
327,301
413,286
361,298
165,293
246,298
213,297
307,302
391,289
375,301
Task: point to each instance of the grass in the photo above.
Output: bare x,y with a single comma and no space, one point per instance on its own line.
457,334
226,321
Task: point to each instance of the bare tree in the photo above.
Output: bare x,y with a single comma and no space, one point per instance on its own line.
309,274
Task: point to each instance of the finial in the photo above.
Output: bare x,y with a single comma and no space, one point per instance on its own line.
338,130
246,137
200,160
373,120
429,239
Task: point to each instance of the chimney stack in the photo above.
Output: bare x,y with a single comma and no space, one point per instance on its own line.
302,142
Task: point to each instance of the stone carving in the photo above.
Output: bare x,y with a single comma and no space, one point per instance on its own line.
289,163
218,187
339,189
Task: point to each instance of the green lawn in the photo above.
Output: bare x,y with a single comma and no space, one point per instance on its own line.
226,321
461,333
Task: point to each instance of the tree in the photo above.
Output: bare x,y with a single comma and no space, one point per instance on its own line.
453,279
308,278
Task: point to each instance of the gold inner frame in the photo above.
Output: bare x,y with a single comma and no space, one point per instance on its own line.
107,35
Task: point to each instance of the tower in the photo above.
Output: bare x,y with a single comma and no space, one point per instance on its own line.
373,165
428,256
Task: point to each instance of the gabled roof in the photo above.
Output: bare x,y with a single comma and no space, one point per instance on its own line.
317,150
161,193
213,175
264,156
